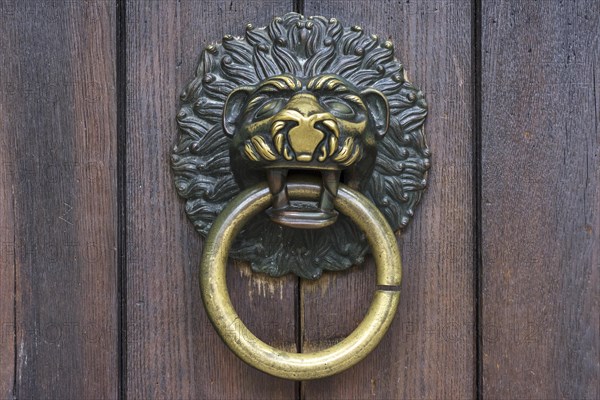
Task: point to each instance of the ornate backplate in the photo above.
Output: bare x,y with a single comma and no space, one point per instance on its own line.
309,95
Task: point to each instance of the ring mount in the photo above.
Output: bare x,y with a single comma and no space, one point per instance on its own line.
300,366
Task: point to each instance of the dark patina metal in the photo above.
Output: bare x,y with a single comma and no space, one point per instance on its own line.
302,95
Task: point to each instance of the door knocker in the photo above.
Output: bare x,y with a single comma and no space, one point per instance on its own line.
300,145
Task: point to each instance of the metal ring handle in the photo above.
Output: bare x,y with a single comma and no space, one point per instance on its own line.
300,366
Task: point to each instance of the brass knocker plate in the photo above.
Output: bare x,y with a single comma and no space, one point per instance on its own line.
300,101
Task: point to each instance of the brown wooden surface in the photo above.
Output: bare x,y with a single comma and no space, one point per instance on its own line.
429,350
539,226
172,350
541,200
58,143
8,45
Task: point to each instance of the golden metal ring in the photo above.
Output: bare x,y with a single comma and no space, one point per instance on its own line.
300,366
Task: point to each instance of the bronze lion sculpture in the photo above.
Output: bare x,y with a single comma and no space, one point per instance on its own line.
302,94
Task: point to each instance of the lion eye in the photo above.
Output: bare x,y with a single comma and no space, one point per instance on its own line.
268,109
339,108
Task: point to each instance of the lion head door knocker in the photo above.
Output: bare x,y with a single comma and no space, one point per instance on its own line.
300,145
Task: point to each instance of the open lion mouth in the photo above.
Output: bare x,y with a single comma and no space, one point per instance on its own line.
299,215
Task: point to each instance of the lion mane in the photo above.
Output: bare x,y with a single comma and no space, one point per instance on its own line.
303,47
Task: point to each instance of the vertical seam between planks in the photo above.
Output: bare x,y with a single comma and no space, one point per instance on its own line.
476,96
299,311
299,6
15,346
121,80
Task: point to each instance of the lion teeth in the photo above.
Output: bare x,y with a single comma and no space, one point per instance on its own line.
286,154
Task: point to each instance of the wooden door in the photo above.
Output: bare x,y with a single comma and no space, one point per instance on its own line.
99,292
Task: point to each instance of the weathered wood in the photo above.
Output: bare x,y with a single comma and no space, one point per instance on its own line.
429,350
541,200
7,282
58,139
7,223
8,45
172,350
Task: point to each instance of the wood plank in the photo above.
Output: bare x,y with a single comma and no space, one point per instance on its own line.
172,349
8,45
429,350
541,200
7,274
7,234
58,133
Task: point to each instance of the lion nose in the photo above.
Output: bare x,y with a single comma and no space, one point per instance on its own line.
305,137
311,125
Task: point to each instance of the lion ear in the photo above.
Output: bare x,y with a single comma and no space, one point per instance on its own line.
234,105
379,108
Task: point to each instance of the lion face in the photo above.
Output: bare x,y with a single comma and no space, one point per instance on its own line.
323,122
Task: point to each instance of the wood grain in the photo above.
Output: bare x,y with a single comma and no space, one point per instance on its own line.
172,350
541,200
58,131
429,350
540,210
8,45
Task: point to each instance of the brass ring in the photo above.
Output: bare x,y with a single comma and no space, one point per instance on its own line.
300,366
